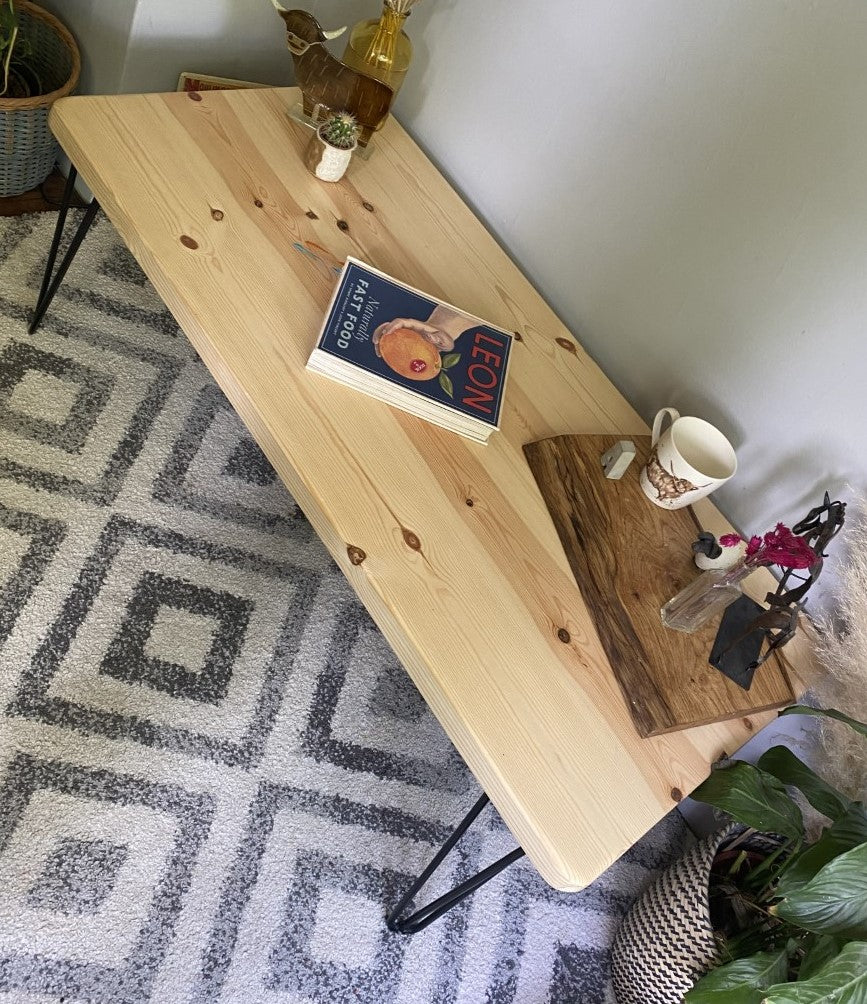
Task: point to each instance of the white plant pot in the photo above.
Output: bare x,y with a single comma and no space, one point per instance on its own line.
327,162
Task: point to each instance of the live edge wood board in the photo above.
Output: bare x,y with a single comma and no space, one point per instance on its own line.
448,543
629,557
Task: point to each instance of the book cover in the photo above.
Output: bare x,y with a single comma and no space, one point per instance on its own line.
392,331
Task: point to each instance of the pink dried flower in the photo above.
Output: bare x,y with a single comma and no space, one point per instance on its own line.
755,542
781,547
730,539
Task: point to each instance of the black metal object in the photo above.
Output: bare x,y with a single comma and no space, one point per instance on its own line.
737,636
738,642
427,914
51,281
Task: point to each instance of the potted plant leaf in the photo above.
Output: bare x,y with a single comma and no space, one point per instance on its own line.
764,915
331,147
39,63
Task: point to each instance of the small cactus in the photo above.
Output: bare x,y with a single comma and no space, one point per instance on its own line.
340,131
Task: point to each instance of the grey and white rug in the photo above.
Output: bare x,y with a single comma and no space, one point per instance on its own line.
214,774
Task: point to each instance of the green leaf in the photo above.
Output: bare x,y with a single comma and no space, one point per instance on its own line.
849,831
446,384
835,901
8,21
754,798
843,980
823,949
802,709
786,767
451,360
740,982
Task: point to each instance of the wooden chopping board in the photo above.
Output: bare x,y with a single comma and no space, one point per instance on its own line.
629,557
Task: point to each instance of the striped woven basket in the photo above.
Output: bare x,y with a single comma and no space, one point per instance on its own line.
28,150
666,941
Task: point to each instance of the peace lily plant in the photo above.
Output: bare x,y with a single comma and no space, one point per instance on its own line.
791,926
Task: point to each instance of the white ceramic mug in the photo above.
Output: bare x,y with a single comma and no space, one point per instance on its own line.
688,461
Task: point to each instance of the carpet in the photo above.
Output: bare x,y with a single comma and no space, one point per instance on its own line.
214,773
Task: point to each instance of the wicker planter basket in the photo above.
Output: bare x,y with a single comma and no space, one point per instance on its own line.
666,941
28,150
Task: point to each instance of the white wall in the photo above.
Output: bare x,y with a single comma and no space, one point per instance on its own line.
142,45
684,180
102,30
228,38
686,183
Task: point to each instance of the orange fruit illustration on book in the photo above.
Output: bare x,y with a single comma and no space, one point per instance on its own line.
409,354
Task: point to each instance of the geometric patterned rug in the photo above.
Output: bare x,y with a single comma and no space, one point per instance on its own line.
214,774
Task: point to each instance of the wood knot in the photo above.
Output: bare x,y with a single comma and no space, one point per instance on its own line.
564,636
217,214
411,540
568,345
194,96
188,242
518,336
748,725
470,503
356,555
677,794
258,203
342,225
368,207
311,215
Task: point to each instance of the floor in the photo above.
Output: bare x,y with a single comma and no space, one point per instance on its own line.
214,773
44,199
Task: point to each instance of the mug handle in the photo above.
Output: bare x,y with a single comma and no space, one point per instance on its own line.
672,413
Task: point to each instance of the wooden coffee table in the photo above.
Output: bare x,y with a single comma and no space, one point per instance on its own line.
448,543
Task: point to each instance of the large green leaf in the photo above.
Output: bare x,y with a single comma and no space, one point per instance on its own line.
802,709
786,767
849,831
754,798
822,950
843,980
835,901
740,982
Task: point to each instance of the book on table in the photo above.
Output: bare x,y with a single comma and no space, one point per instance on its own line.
407,349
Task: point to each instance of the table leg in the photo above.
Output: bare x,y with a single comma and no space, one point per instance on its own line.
427,914
50,284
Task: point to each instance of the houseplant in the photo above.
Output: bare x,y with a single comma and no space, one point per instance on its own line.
39,63
802,929
777,918
331,147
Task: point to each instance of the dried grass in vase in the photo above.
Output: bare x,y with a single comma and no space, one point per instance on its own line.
842,649
401,6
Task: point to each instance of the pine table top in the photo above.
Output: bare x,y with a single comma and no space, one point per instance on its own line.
448,543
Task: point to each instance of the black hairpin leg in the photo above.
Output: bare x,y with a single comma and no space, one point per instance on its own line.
51,283
427,914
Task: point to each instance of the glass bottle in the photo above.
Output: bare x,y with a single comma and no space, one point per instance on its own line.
705,597
381,48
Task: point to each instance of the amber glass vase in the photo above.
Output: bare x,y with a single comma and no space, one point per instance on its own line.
381,48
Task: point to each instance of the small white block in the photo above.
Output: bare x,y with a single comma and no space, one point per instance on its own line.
618,458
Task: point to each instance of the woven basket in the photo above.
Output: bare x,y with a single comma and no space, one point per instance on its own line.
666,941
28,150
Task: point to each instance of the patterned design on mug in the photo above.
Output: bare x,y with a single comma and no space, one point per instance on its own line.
667,486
